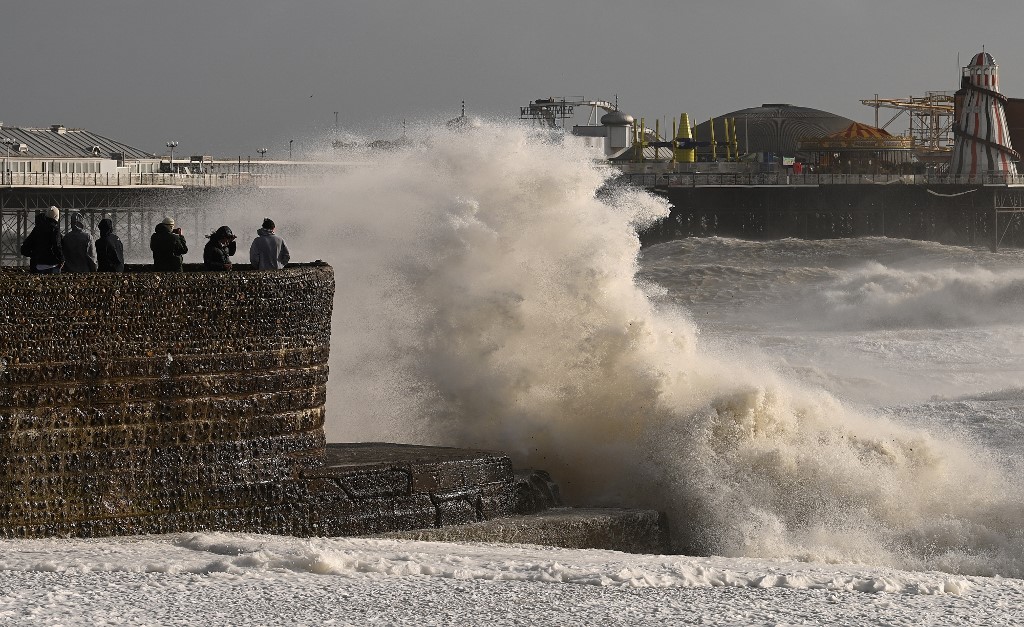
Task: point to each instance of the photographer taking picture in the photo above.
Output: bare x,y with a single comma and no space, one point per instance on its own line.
168,246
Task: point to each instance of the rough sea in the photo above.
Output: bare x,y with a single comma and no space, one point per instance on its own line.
833,427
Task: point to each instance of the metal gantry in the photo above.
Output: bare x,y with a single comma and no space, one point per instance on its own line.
549,112
931,117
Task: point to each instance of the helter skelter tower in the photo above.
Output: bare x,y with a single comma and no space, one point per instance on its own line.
982,139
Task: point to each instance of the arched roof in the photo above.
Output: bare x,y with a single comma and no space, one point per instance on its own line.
775,128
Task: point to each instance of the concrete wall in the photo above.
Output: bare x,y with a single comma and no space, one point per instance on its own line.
153,402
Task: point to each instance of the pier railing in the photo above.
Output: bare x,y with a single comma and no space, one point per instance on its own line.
152,179
753,179
674,179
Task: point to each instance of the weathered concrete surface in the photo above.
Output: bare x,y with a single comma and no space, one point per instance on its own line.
373,487
627,530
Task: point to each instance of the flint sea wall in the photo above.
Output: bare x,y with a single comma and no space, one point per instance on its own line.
156,402
149,401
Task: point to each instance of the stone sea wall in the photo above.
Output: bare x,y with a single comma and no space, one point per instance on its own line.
153,402
150,402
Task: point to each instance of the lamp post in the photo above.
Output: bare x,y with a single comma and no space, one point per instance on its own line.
290,149
7,143
171,145
263,153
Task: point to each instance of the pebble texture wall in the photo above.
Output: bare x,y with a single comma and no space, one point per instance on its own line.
151,402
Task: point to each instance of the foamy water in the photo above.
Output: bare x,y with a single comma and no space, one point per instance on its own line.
488,296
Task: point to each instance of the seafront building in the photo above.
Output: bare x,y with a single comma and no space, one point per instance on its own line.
29,152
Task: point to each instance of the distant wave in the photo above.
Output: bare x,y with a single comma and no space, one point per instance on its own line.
879,296
867,283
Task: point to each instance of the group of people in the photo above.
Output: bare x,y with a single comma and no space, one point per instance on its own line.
75,251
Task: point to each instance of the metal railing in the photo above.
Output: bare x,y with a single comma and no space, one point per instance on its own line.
156,179
749,179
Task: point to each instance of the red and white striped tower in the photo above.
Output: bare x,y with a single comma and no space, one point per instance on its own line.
982,144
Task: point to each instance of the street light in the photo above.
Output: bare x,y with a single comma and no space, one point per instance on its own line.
7,142
171,145
290,149
263,152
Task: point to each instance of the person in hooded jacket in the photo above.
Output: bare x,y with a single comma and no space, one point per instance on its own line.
109,250
268,251
43,244
79,250
168,246
218,251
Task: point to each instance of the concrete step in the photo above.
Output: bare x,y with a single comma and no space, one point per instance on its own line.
627,530
461,495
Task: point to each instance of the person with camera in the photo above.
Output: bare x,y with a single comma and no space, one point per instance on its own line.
168,246
218,251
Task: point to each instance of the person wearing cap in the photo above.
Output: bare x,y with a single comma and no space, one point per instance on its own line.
79,250
43,244
218,251
168,246
109,249
268,251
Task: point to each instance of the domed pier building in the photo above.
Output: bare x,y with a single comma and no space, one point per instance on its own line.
772,129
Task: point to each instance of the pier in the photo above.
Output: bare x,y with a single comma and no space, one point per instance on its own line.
967,211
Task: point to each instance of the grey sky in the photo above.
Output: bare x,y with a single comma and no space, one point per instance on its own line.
225,77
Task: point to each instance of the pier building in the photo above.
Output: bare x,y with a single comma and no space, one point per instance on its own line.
60,150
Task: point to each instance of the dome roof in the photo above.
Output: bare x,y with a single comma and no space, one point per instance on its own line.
616,118
981,59
775,128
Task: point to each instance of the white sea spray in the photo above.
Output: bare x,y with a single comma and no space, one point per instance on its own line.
487,297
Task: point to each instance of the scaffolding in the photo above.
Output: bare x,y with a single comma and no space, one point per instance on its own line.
550,112
931,118
1008,204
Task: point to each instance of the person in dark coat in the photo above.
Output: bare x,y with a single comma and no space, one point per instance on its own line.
43,244
79,250
218,251
168,246
109,250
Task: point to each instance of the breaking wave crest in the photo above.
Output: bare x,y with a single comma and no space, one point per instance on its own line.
879,296
487,296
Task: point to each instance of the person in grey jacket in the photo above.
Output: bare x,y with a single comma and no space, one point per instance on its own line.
268,250
79,249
